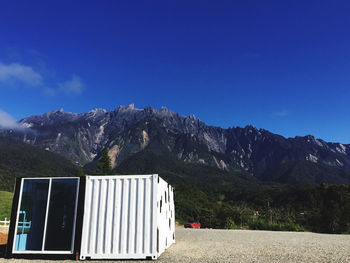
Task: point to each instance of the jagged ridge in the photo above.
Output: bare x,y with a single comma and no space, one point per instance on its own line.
128,130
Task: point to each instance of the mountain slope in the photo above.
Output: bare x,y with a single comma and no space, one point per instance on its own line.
127,131
18,159
306,173
179,172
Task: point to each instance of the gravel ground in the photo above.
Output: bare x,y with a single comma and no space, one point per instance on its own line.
257,246
207,245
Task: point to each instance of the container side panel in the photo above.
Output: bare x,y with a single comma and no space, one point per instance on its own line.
117,210
124,212
107,248
118,219
131,224
93,227
147,218
139,217
101,216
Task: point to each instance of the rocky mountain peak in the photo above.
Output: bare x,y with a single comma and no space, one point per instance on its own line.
128,130
96,111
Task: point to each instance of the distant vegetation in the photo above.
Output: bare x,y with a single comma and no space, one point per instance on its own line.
324,208
220,199
18,159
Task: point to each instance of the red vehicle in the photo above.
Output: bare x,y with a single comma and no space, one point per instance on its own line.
192,224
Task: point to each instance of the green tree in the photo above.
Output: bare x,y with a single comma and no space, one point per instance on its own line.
79,172
104,165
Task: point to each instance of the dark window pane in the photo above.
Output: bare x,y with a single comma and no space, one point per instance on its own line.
60,221
31,222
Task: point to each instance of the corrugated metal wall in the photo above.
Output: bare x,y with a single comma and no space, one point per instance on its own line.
119,217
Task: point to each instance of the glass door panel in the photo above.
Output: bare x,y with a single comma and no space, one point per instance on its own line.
32,212
61,217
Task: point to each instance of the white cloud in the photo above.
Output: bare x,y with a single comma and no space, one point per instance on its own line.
74,86
18,75
19,72
281,113
7,122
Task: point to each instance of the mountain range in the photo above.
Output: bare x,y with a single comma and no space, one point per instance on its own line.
128,132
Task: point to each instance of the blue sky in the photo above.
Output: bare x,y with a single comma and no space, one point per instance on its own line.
278,65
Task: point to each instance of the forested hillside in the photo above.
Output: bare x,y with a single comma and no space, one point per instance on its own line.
220,199
18,159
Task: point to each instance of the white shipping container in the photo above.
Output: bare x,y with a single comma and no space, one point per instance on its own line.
127,217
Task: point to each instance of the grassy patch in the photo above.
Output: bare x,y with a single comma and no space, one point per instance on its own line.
5,205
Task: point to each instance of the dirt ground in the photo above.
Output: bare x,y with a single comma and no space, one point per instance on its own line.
3,236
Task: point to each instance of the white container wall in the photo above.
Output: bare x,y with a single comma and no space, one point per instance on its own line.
166,216
127,217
